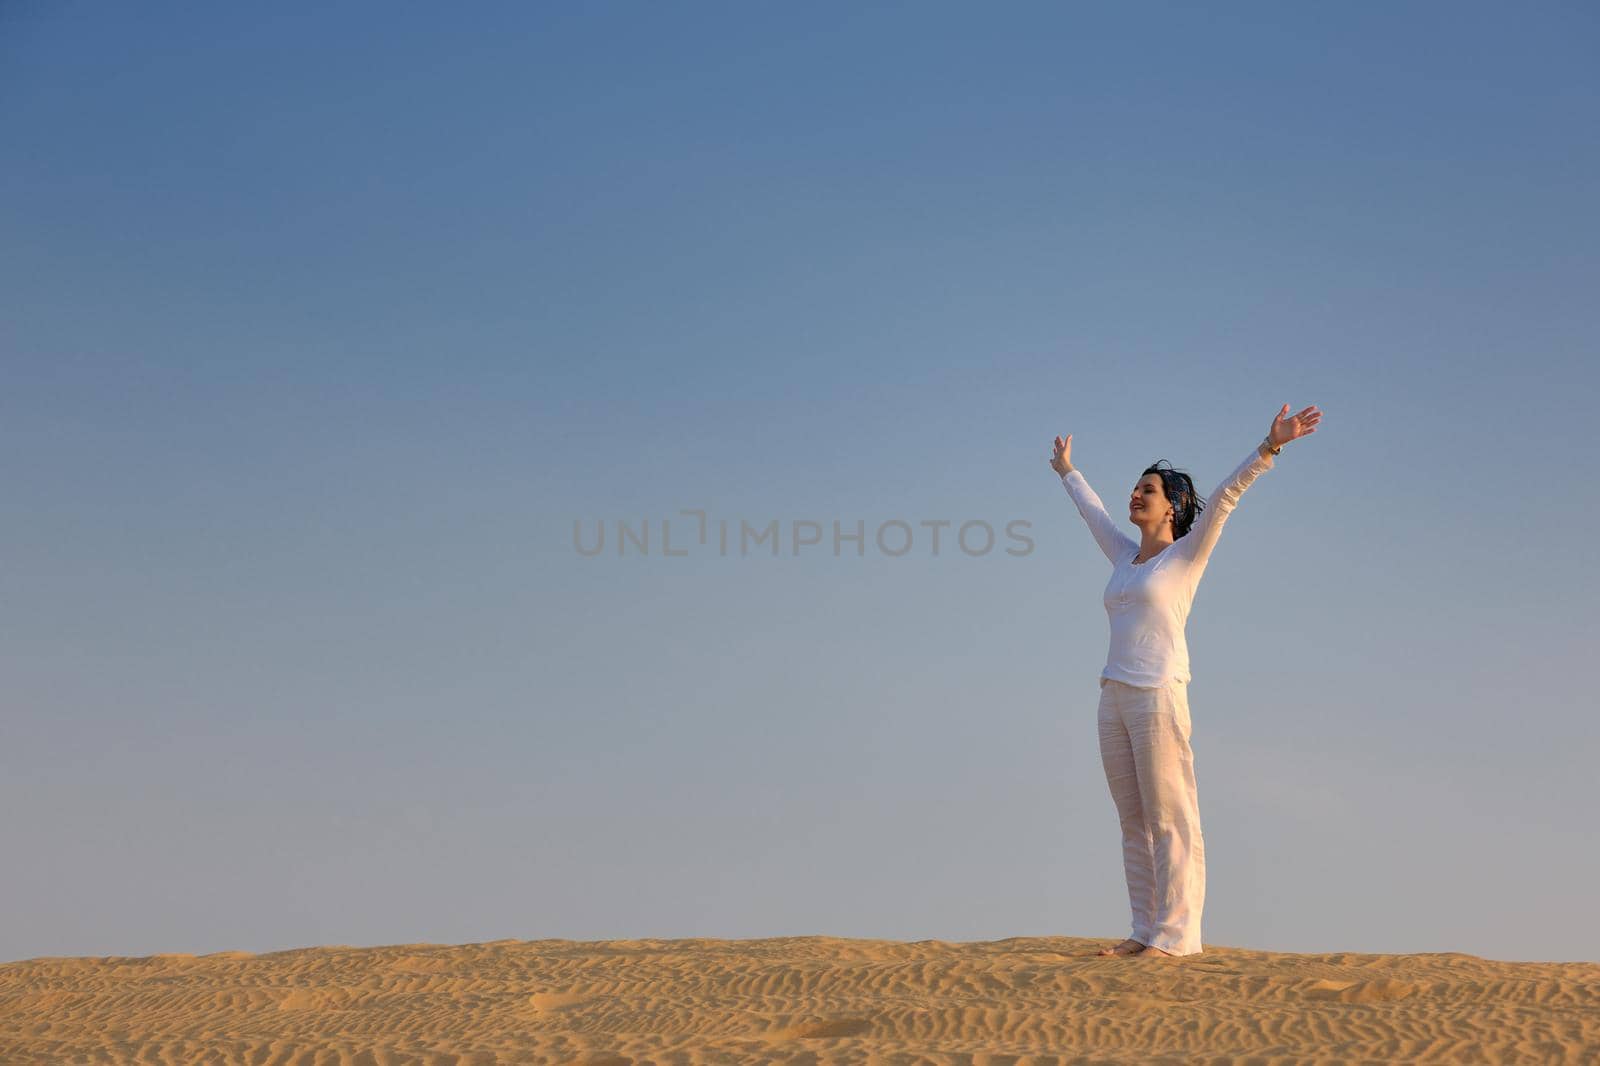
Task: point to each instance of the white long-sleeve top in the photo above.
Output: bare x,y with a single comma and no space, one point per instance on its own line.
1149,602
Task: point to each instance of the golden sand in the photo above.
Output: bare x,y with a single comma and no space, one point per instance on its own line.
792,999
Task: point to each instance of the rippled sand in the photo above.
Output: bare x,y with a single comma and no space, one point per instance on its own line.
793,999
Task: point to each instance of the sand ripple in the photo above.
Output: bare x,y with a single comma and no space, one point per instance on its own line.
809,1000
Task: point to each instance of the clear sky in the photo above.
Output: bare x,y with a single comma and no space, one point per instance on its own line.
323,327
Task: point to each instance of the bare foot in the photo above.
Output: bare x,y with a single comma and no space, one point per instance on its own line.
1127,947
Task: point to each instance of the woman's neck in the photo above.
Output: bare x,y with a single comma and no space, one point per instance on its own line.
1153,544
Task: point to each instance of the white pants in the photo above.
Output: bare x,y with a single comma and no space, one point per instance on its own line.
1144,744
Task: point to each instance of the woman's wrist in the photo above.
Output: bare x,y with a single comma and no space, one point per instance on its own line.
1267,448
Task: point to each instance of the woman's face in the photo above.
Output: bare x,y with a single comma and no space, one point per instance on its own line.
1148,507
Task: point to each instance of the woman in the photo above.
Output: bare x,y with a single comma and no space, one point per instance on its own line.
1144,695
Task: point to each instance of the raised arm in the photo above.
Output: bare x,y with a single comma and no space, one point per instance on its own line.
1196,545
1113,542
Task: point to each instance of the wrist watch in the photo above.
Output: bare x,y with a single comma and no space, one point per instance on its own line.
1273,448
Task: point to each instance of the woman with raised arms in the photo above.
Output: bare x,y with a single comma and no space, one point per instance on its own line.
1144,696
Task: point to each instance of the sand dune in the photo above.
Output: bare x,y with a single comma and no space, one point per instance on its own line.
793,999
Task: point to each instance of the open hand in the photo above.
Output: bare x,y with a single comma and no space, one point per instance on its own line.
1286,427
1061,462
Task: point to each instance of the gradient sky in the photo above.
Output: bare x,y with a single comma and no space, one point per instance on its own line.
324,324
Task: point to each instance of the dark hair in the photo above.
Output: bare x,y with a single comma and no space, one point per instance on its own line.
1179,487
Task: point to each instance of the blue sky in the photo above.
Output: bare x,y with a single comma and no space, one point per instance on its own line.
325,324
